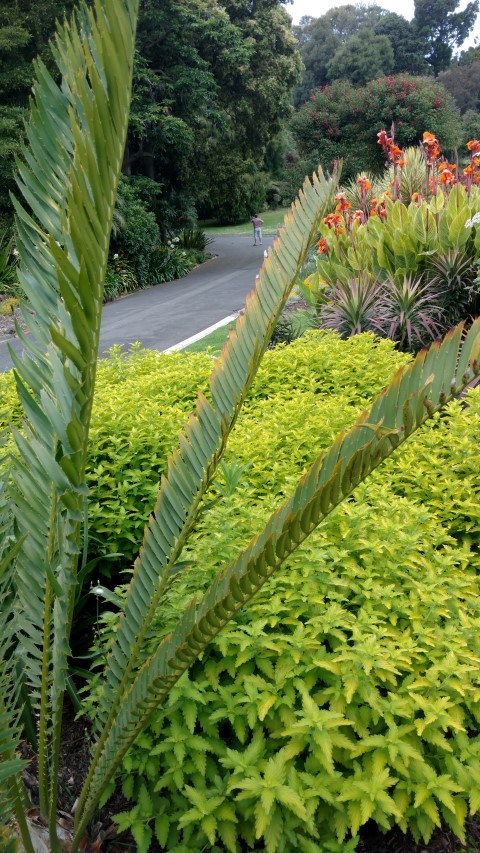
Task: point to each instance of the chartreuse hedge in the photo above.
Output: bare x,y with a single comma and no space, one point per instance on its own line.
296,728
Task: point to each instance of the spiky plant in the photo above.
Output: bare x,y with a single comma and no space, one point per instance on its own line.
358,199
454,276
410,311
350,307
412,176
68,178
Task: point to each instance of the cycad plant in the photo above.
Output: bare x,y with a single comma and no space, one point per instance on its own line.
68,177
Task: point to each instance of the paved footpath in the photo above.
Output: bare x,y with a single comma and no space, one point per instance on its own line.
167,314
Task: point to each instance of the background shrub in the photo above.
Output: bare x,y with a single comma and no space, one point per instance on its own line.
341,121
138,234
169,262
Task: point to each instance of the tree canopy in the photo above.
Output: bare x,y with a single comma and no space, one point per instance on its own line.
442,28
360,43
212,87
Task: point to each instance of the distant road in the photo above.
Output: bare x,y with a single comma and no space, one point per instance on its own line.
169,313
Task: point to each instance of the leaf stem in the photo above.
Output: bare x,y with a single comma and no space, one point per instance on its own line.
18,804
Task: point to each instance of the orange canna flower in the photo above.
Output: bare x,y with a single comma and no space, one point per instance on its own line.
334,221
430,143
416,198
447,177
395,151
473,146
364,183
322,247
342,203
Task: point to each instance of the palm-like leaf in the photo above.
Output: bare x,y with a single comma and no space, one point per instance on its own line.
190,470
9,714
68,178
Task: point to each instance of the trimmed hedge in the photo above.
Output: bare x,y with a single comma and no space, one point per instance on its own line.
349,689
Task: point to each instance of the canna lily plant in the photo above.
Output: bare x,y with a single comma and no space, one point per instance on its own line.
68,177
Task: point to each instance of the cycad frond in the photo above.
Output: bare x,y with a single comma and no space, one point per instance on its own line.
9,712
68,177
190,470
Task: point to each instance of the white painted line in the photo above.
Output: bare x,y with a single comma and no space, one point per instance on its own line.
204,333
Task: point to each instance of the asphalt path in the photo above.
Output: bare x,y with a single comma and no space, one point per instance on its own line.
163,316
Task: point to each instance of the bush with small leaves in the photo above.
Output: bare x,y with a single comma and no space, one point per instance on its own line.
348,690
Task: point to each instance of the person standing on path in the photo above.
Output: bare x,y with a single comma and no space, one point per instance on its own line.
257,229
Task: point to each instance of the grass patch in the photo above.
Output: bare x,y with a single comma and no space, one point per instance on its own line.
271,220
215,340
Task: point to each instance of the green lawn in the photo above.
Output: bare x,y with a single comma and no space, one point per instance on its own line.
215,340
271,220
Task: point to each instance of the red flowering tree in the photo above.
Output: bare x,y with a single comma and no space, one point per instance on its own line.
341,121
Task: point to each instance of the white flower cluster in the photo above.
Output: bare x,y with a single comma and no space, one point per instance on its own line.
473,221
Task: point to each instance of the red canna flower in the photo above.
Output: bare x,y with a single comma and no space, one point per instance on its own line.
357,215
322,247
382,139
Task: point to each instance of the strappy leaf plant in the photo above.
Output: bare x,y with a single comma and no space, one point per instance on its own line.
68,178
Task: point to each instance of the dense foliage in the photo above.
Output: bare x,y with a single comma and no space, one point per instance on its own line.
295,729
360,43
212,86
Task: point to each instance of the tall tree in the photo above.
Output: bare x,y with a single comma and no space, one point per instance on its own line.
406,45
364,57
212,86
442,28
25,28
463,83
320,38
217,79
